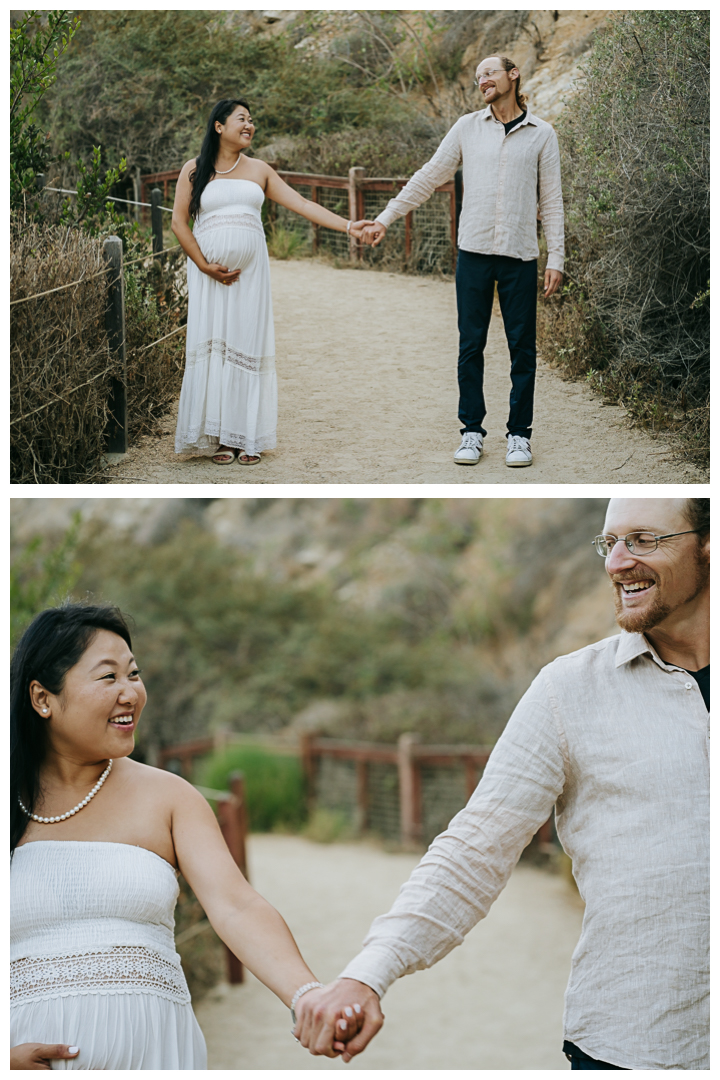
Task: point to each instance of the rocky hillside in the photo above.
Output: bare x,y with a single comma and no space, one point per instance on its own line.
489,589
548,47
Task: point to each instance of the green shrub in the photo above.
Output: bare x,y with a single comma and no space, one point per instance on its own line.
286,243
635,313
274,784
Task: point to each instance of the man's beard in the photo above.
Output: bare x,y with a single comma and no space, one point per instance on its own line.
639,622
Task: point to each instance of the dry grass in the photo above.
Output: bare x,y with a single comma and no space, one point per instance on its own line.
60,364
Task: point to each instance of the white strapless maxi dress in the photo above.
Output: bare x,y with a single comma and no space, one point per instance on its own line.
92,957
229,390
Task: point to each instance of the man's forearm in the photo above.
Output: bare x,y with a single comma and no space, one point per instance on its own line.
468,865
422,184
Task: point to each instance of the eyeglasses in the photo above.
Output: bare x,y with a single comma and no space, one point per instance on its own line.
637,543
487,75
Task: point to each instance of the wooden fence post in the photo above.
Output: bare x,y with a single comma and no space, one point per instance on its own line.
116,432
232,816
410,792
354,207
157,225
306,756
408,237
314,197
362,793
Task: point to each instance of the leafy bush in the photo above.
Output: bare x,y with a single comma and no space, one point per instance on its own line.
286,243
274,784
635,314
42,579
166,69
34,53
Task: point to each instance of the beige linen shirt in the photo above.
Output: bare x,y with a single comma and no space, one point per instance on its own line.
617,740
507,179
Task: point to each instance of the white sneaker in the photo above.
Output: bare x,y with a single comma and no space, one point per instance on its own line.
470,450
518,451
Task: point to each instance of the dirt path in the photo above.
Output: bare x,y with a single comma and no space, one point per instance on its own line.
494,1003
367,387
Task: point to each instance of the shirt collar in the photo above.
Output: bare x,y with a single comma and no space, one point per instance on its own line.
487,114
633,645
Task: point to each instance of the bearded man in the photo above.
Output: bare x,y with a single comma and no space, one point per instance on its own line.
511,174
615,737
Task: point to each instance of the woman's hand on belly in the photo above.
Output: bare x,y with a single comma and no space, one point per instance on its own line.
222,273
39,1055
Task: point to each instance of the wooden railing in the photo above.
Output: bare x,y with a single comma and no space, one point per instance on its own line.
355,183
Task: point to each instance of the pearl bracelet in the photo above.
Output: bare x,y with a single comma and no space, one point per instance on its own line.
347,227
299,993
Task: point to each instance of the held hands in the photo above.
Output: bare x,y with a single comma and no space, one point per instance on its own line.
221,273
321,1015
373,233
553,281
40,1055
357,228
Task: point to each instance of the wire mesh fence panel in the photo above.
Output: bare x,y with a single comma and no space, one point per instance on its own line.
443,794
431,240
391,250
383,812
336,786
337,200
431,249
292,222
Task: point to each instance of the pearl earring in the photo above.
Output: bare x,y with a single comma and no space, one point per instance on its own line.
44,710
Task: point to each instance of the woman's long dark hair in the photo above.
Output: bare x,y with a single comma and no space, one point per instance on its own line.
204,169
52,644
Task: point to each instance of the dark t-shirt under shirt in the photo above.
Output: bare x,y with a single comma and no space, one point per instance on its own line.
518,120
702,678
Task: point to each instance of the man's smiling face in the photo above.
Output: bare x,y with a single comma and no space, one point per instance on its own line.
652,588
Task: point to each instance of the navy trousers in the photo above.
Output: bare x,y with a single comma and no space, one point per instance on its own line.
580,1060
475,279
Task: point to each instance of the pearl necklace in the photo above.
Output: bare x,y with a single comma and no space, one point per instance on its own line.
85,801
223,172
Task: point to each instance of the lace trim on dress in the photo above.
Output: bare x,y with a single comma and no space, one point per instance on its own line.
200,353
212,435
122,969
229,221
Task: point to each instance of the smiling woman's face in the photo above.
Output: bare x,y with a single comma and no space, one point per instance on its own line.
238,129
95,714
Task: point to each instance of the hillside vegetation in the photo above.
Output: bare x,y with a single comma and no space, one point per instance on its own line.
357,618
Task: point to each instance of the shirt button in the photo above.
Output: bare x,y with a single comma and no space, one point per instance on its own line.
688,685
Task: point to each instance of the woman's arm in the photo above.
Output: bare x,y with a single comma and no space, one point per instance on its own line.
247,923
282,193
183,232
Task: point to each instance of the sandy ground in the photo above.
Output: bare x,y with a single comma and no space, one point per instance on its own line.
494,1003
368,394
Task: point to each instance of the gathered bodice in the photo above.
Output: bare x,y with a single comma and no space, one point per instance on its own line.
231,195
70,896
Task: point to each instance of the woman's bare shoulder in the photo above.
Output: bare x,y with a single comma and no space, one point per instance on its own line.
166,784
188,167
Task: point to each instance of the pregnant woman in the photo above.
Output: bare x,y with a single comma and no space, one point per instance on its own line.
228,403
96,844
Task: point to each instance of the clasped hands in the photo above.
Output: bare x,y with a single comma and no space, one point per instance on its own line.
368,232
339,1019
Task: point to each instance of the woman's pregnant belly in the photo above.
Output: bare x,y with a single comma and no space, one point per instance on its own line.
232,239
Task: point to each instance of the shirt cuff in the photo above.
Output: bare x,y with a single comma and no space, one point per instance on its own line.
376,966
555,262
387,217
